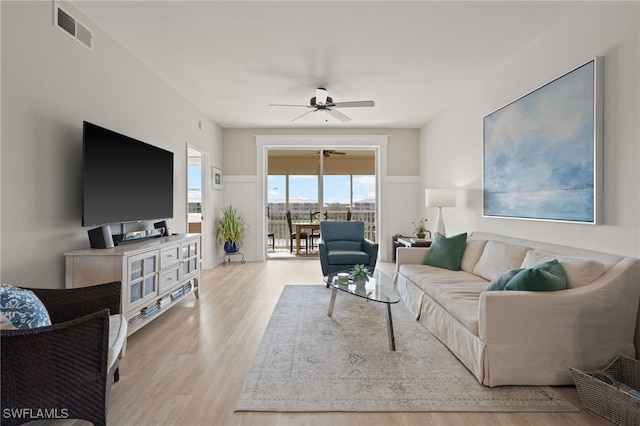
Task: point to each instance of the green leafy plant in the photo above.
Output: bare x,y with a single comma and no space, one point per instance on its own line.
230,226
359,272
420,226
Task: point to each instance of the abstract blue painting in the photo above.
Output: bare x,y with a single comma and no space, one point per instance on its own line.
540,152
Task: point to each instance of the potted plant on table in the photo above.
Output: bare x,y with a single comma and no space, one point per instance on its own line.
230,229
421,229
359,274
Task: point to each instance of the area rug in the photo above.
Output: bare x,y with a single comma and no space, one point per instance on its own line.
308,361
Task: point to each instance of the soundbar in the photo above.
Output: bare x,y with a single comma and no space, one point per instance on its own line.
101,237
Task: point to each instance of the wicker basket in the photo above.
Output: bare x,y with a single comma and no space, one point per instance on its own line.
608,400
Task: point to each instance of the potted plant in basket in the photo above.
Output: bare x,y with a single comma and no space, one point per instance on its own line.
230,229
359,274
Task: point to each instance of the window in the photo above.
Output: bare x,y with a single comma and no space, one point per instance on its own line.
293,183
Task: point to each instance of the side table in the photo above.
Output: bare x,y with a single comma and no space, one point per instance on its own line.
414,242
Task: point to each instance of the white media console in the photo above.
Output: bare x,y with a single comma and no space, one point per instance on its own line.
155,273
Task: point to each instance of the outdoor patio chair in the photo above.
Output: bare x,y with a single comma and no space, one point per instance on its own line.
303,235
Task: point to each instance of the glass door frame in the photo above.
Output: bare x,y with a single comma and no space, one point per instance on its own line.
376,143
206,239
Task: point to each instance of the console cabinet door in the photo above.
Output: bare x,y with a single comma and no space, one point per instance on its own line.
190,258
142,272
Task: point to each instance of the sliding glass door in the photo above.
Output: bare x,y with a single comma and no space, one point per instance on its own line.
320,185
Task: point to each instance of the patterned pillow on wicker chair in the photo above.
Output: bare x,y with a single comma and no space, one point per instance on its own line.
21,309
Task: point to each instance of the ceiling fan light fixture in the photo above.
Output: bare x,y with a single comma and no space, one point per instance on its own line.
321,96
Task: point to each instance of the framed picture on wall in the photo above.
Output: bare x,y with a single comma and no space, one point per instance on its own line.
542,152
216,178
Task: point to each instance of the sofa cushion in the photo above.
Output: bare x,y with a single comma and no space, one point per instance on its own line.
347,257
117,336
498,257
428,278
5,323
456,291
500,282
462,301
21,308
547,276
472,252
579,271
446,252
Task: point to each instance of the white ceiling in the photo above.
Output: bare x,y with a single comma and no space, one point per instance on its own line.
232,59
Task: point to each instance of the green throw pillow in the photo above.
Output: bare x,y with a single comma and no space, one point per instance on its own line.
547,276
446,252
501,281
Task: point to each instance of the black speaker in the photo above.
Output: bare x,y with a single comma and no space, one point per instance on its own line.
162,225
100,237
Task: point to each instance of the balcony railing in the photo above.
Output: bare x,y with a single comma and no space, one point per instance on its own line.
277,223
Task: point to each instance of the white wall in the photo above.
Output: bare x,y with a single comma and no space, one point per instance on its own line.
403,205
451,144
240,147
50,84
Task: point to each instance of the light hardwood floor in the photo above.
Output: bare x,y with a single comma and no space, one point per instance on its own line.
188,366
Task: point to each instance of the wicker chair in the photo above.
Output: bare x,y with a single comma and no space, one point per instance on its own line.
63,368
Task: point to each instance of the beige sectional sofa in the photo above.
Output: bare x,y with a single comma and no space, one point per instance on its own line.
525,337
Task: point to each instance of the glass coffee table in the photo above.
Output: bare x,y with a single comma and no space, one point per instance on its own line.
379,288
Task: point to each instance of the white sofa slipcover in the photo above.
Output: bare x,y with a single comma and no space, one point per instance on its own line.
525,337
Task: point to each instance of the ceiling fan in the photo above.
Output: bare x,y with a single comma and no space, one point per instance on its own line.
322,102
328,152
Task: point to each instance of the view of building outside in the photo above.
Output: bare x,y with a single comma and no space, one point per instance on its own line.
346,197
194,192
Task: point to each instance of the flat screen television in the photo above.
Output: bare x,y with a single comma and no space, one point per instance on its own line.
124,179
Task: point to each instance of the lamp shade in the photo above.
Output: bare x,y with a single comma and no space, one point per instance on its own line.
439,197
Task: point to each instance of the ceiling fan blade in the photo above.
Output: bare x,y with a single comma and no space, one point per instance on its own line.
287,105
299,117
329,152
337,114
354,104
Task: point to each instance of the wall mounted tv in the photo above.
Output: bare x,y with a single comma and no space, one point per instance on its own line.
124,179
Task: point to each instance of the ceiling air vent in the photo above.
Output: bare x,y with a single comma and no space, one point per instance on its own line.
70,26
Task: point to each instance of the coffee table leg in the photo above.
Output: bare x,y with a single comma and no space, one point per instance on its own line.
392,340
334,291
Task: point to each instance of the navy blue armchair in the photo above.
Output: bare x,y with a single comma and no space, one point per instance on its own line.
344,245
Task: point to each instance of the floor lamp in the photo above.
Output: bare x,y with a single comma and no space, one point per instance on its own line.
440,198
